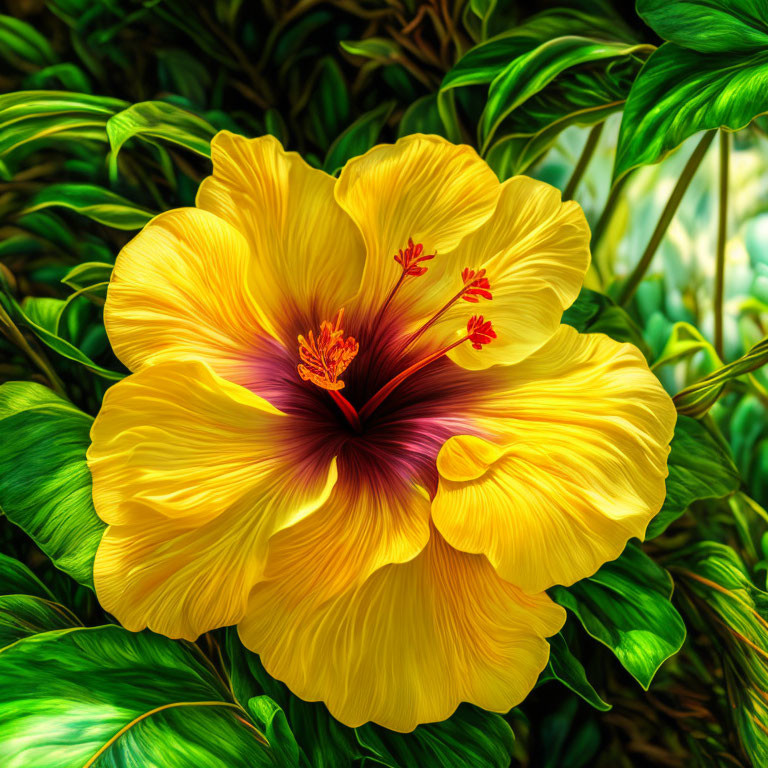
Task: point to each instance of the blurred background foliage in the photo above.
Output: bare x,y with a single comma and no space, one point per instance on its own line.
106,114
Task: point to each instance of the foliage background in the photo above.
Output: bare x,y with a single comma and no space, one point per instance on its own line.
106,112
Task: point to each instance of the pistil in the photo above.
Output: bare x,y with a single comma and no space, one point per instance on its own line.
479,332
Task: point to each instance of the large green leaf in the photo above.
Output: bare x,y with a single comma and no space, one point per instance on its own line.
45,484
151,120
626,606
26,605
328,106
699,468
530,73
21,41
471,737
106,697
696,400
97,203
709,26
680,92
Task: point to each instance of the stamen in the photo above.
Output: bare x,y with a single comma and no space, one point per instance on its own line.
475,286
409,259
479,332
325,358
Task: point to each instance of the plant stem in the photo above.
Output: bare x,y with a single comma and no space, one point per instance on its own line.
628,291
586,155
607,214
722,232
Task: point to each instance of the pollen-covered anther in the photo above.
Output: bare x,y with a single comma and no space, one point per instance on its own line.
411,258
325,358
476,286
480,331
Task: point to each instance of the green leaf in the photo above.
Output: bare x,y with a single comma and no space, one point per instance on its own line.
530,73
40,116
423,116
26,605
87,274
96,203
709,26
329,103
70,76
680,92
20,41
377,48
715,576
108,697
45,484
157,120
699,468
271,719
594,312
696,400
470,737
567,669
626,606
358,138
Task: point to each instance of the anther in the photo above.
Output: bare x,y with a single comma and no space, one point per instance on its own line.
325,358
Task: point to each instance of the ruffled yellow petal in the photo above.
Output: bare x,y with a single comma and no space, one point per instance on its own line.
307,252
194,475
574,465
180,291
421,187
408,644
535,250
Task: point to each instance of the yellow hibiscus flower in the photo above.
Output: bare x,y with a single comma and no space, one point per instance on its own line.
337,451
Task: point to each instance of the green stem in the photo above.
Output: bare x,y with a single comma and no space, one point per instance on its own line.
607,214
628,291
586,155
722,232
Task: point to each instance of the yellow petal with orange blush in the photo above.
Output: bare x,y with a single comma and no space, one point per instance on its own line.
574,463
181,290
535,250
307,252
194,474
421,187
408,644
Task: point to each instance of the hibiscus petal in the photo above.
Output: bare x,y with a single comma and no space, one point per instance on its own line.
408,644
535,250
579,436
194,474
421,187
180,290
307,252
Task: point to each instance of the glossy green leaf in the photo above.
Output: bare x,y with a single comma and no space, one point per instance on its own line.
87,274
699,468
96,203
377,48
470,736
423,116
40,116
153,120
482,63
530,73
45,484
626,606
358,138
329,103
66,75
21,41
106,697
696,400
709,26
680,92
567,669
27,607
270,718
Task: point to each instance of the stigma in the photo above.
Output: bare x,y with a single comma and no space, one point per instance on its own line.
325,357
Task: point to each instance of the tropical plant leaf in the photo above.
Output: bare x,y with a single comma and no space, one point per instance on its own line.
626,606
699,468
358,138
96,203
45,484
696,400
105,696
680,92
